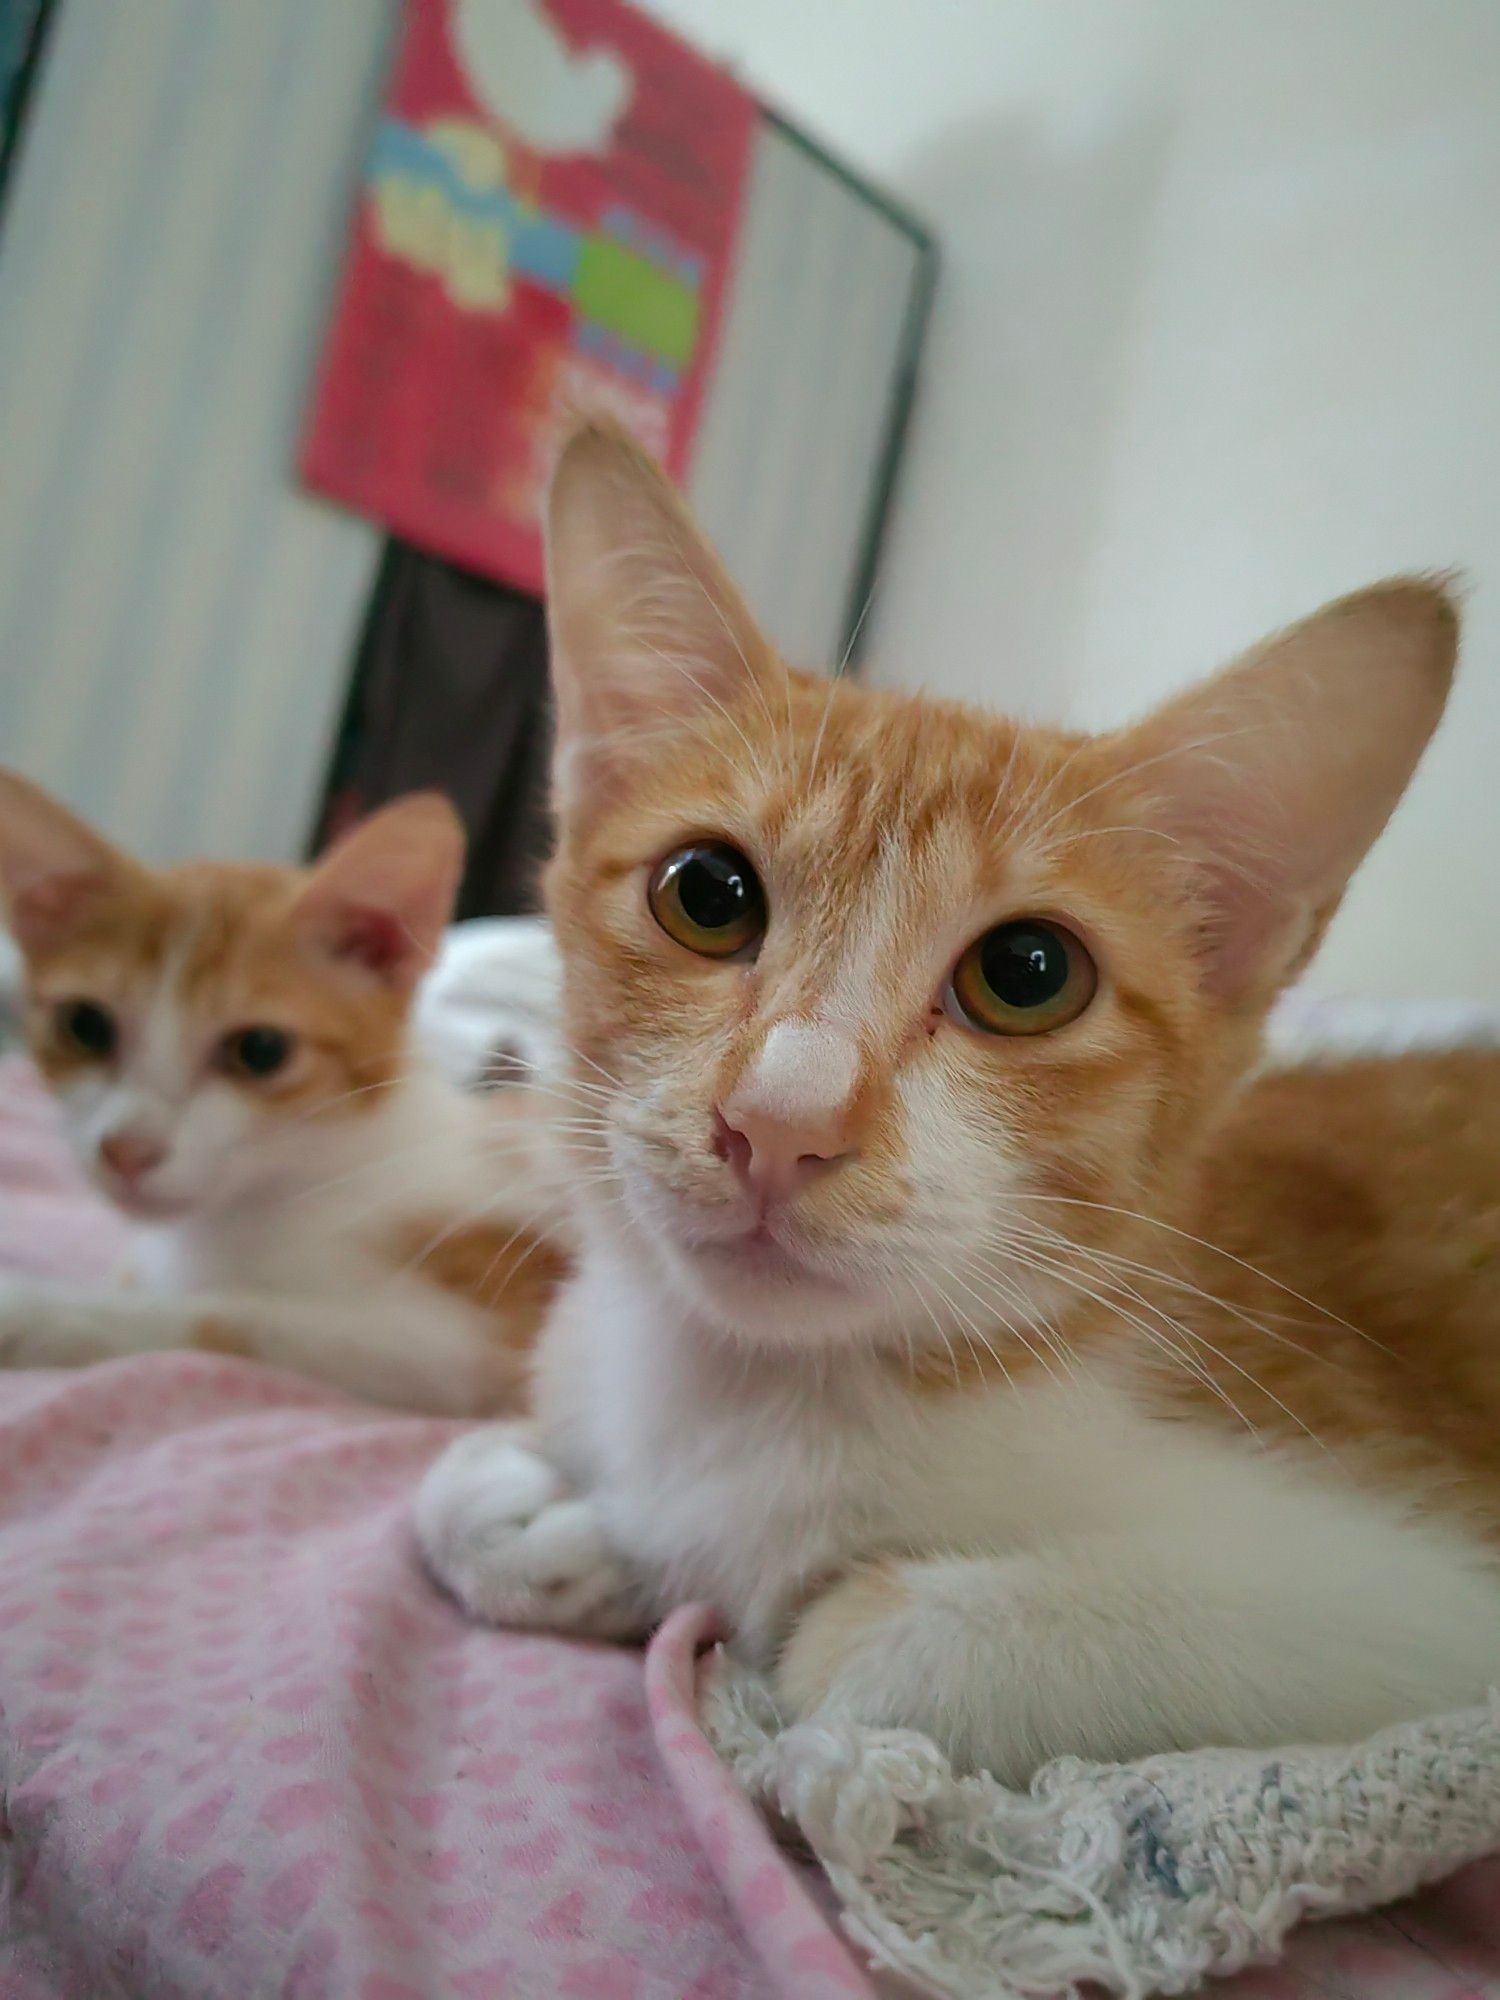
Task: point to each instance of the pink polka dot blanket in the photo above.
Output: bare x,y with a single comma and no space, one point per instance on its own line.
246,1750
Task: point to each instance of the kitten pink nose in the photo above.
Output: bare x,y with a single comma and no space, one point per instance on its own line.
776,1159
131,1155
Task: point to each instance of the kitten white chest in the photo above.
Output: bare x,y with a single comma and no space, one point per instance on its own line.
748,1480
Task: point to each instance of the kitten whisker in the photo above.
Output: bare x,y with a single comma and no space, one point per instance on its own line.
1159,1337
1017,1332
968,1328
1027,1258
1202,1242
944,1340
1042,1323
577,1055
1120,1286
1178,1283
817,748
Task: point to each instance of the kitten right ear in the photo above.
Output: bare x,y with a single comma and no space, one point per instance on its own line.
647,630
380,899
1274,778
52,865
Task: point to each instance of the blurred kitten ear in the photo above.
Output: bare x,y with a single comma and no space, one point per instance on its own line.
53,867
647,630
1276,776
382,896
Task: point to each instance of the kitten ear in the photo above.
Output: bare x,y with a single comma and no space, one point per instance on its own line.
381,898
647,630
52,865
1276,777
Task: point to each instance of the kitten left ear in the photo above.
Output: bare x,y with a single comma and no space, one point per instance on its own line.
1276,777
647,630
381,898
53,866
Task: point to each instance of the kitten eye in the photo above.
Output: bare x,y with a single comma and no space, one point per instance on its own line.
255,1052
1023,978
709,898
88,1028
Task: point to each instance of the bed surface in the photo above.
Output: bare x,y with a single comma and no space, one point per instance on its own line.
248,1750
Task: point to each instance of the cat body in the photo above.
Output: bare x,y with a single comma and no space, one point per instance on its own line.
230,1051
1099,1557
959,1307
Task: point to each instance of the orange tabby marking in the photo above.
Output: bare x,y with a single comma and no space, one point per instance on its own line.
834,1621
1371,1189
509,1273
213,1335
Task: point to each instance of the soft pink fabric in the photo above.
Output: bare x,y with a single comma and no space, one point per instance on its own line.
795,1943
247,1751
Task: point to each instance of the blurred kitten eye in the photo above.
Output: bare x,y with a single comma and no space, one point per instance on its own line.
88,1028
709,898
255,1052
1023,978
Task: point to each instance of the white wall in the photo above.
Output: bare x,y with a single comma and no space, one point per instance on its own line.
1218,337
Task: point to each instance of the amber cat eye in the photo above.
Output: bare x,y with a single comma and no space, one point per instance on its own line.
709,898
1023,978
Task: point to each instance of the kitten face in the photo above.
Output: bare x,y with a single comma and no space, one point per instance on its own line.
837,1095
206,1029
869,823
184,1033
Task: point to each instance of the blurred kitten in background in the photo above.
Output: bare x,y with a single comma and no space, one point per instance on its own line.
231,1050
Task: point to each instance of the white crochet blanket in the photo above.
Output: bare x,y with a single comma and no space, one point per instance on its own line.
1140,1878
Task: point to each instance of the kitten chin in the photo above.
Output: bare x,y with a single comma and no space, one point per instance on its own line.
760,1281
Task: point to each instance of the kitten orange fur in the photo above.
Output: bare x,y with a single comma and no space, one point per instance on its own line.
1372,1189
953,1307
321,1201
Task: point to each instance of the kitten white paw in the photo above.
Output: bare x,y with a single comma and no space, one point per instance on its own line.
40,1330
500,1530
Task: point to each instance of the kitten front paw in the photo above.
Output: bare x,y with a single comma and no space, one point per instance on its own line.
40,1330
502,1532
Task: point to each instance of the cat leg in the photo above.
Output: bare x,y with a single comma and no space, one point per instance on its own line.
435,1364
501,1529
1126,1644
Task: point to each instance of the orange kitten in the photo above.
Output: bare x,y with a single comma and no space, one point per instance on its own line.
229,1049
954,1310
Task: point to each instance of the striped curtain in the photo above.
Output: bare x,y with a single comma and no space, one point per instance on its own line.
176,620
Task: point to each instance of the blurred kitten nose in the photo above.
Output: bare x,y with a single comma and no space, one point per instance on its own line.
773,1159
131,1155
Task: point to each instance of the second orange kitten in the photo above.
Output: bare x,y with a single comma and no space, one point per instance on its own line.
229,1047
